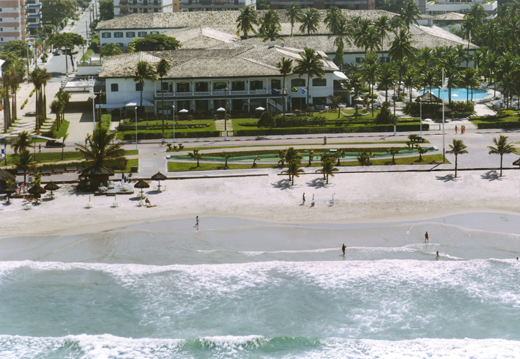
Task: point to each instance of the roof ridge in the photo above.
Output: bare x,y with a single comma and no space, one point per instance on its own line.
260,63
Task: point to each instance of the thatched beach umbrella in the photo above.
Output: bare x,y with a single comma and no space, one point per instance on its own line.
37,190
141,184
51,187
9,190
517,162
159,177
6,176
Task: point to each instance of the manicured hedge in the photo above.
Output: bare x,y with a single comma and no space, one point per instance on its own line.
315,130
159,127
497,124
180,134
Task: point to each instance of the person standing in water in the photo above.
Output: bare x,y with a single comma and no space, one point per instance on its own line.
197,221
438,254
426,239
343,247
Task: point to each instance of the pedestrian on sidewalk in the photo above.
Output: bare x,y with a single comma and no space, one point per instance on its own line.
40,148
456,129
303,199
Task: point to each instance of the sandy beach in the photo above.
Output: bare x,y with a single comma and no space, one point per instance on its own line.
359,197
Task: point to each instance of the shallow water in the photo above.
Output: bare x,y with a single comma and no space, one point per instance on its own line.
270,291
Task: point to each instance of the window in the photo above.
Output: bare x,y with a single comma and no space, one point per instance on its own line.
359,60
138,87
106,35
201,87
276,84
219,85
141,33
118,35
297,82
114,87
121,45
130,34
154,32
319,82
256,85
183,87
165,86
238,85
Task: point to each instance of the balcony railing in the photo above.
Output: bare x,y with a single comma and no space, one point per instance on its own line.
219,93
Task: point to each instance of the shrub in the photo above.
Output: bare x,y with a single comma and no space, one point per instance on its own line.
385,116
266,120
106,119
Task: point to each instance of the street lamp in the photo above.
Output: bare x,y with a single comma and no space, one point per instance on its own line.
93,97
394,98
136,127
173,112
420,119
225,112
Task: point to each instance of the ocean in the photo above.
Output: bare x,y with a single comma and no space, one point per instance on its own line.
244,289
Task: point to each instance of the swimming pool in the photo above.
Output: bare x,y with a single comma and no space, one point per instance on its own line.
457,94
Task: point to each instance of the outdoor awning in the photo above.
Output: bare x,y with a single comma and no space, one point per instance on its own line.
138,103
340,75
111,105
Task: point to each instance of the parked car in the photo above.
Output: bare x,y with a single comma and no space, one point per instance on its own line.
54,143
57,53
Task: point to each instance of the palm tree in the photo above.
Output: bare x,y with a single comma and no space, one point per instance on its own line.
57,107
16,79
310,64
63,147
382,26
370,69
271,20
6,80
339,155
294,12
368,40
272,33
386,78
410,13
162,69
410,80
100,147
310,20
355,85
25,162
335,102
311,156
364,158
393,151
111,49
501,148
144,72
282,156
226,156
293,169
257,158
342,32
469,79
401,48
333,18
451,65
246,20
327,169
64,98
285,66
457,148
196,156
22,142
39,78
292,155
476,13
421,151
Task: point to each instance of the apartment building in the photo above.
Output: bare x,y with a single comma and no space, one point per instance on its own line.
325,4
34,16
12,20
127,7
437,7
215,5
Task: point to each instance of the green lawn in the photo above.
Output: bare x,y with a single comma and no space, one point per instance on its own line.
414,160
129,163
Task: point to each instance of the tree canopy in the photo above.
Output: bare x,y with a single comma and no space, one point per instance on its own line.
106,10
155,42
55,11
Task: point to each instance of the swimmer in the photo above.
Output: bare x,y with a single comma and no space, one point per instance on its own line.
343,248
438,254
426,239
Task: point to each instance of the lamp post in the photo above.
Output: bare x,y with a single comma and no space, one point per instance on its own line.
394,98
173,113
443,136
225,112
136,127
420,116
93,97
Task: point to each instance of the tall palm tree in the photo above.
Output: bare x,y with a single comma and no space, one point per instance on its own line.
292,155
383,27
293,170
451,65
501,148
64,98
282,156
410,13
6,81
57,107
246,20
22,142
410,80
269,21
39,77
100,147
469,79
25,162
476,13
402,48
355,85
162,69
342,33
144,72
64,138
333,18
327,168
16,80
285,66
310,64
370,69
368,40
272,33
386,78
457,148
310,20
294,13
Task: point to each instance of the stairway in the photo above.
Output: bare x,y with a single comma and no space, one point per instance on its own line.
275,104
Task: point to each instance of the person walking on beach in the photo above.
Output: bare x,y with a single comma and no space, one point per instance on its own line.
426,239
197,221
456,129
303,199
463,129
343,249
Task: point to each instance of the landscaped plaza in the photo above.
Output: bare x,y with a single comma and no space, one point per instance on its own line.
289,183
